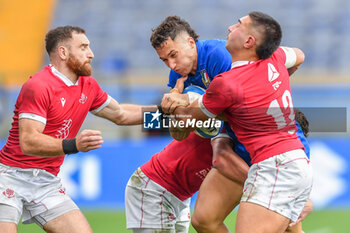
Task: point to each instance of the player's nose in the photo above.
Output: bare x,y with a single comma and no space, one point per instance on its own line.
172,65
90,54
230,28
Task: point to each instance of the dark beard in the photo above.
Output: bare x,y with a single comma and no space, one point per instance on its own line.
80,69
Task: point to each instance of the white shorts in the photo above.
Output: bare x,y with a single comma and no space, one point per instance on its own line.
149,205
33,194
281,183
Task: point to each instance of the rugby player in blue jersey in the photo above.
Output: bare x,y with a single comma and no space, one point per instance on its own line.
197,62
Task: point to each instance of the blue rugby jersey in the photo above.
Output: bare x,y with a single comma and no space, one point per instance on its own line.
213,59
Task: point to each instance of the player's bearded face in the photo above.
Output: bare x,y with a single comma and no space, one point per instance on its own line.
78,67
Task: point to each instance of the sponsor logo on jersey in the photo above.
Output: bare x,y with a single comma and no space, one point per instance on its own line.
273,74
276,85
205,78
83,98
63,101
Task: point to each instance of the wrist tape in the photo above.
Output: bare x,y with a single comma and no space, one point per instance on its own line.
69,146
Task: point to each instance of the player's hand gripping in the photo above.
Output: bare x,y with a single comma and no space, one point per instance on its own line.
180,85
89,140
171,101
308,208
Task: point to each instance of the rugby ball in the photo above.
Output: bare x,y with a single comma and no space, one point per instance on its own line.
215,126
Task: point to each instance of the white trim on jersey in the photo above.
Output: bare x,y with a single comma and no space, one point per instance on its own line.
222,135
109,98
64,78
240,63
291,57
204,109
32,117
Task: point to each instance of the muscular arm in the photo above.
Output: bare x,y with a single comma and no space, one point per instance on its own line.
173,105
227,162
124,114
33,142
178,134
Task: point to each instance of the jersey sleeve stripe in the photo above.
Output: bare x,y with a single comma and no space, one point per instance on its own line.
222,135
32,117
109,98
291,57
204,109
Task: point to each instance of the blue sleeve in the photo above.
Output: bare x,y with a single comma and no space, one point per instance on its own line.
219,61
173,77
303,140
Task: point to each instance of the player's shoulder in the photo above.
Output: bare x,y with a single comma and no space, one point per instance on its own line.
214,45
39,80
228,80
221,80
279,54
213,42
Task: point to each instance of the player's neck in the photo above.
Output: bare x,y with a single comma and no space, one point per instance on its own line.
245,56
62,68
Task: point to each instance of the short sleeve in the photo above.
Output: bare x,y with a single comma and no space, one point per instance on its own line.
286,56
33,101
217,98
101,98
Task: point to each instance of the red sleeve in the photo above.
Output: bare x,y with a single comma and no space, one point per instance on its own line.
280,55
34,98
100,96
218,97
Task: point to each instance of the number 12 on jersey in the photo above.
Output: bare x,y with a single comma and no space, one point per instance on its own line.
276,111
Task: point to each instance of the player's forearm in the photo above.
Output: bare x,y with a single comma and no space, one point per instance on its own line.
292,70
131,114
227,162
178,134
192,112
42,145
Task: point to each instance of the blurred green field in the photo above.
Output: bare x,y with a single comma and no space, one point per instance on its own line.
114,222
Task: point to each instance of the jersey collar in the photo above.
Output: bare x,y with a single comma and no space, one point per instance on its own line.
61,76
240,63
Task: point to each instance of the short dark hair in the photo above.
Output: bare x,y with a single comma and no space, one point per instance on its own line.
59,34
272,33
171,27
302,120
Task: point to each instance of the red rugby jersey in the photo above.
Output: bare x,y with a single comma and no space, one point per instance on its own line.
181,166
51,98
256,99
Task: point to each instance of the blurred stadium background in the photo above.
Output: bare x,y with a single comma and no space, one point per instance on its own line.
128,68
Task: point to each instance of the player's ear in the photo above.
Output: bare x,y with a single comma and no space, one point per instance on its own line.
191,42
62,52
250,42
